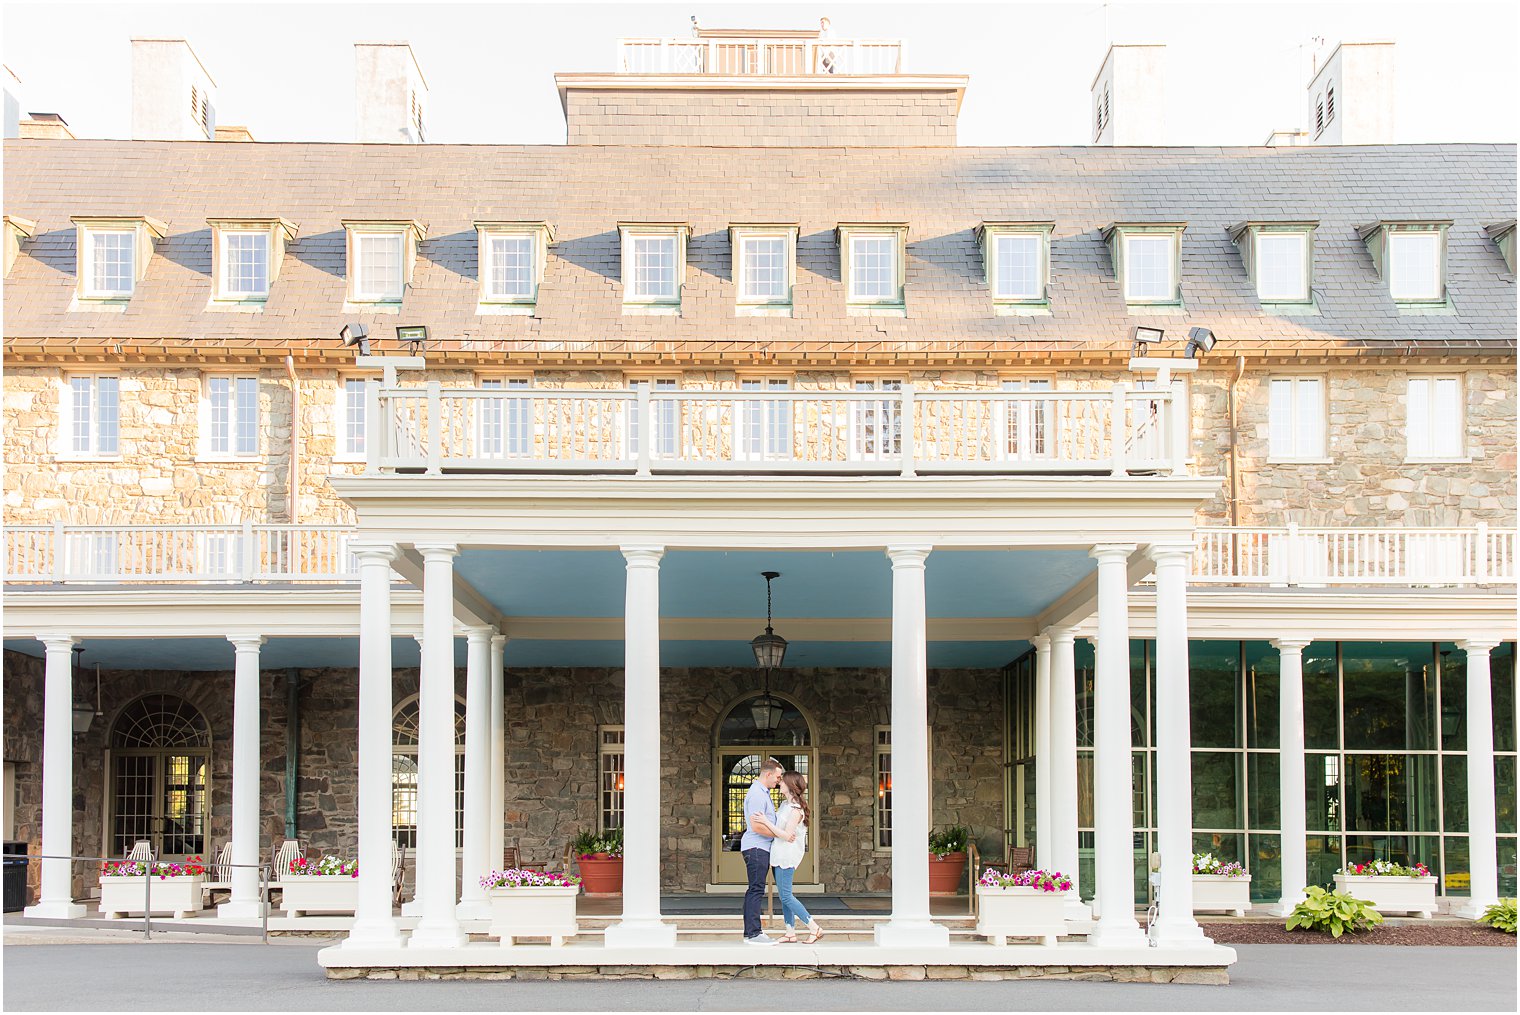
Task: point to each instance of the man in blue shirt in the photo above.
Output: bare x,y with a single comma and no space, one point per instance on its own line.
759,829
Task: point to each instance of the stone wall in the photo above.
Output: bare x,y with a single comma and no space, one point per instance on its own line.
550,774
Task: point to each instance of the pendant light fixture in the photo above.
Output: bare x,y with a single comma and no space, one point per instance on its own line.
770,650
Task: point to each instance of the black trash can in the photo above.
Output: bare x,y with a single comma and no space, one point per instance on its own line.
14,890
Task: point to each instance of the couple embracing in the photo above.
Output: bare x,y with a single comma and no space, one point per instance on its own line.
775,840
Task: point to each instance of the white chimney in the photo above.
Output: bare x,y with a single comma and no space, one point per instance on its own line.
12,103
173,96
1129,96
390,94
1351,96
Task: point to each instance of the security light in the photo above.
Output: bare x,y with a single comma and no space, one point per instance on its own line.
355,334
1200,340
414,335
1142,337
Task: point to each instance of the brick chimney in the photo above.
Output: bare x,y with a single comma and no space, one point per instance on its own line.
45,126
173,95
390,94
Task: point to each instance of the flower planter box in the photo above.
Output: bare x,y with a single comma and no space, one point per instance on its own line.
318,893
946,873
1215,893
533,912
178,896
1415,896
600,874
1003,913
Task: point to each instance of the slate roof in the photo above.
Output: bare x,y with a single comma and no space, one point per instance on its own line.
584,191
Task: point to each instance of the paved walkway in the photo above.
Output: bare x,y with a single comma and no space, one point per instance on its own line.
183,973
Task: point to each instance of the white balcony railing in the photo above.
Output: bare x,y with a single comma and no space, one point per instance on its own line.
1309,557
434,429
179,553
770,56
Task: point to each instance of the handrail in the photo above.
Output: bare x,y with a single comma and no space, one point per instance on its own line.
263,868
759,55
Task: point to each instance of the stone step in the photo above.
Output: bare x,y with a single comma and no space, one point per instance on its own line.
864,922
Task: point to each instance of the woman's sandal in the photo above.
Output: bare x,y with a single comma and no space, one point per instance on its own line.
817,932
788,939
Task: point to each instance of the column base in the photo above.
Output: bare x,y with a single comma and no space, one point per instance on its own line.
1118,934
1471,909
1182,934
54,910
1077,911
1284,907
240,910
377,934
653,933
411,907
438,934
473,909
912,934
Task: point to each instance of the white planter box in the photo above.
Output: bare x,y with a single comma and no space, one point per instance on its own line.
1415,896
174,896
318,893
1003,913
1215,893
533,912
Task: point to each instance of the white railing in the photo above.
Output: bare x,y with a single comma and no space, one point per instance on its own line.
434,429
179,553
769,56
1315,557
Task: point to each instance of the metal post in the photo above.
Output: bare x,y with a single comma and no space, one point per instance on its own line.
148,900
264,900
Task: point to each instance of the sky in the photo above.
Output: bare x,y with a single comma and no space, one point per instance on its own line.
1236,70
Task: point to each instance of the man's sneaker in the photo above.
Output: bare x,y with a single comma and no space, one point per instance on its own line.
760,939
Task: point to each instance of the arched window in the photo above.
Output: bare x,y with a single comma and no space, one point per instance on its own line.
404,772
739,726
160,765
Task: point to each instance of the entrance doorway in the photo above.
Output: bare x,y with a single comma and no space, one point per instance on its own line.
160,765
740,750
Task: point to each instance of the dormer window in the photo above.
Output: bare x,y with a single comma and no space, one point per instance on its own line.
1411,257
873,257
1016,256
246,255
113,255
1148,261
381,257
512,256
1279,258
1503,235
654,265
16,230
764,267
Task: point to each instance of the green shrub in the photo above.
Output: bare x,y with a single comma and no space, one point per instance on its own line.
1500,916
590,843
950,840
1336,912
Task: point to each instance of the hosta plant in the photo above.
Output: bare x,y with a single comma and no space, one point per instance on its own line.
1500,916
1336,912
1208,863
949,840
608,843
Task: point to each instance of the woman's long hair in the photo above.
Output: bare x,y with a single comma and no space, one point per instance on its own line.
796,782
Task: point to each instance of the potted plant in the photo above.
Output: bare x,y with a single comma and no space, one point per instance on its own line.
947,859
327,885
529,903
176,888
1220,887
1390,887
599,855
1030,903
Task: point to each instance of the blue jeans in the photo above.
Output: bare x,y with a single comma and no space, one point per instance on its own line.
791,909
757,863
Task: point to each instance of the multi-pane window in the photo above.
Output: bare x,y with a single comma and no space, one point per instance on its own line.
1018,266
610,741
876,432
883,754
404,772
1434,426
1150,267
506,424
245,265
766,431
654,268
112,262
1414,265
353,416
380,271
233,404
511,270
763,269
1027,424
1296,425
94,415
1282,270
873,269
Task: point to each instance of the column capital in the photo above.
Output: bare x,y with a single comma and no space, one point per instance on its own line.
499,641
642,555
246,642
437,551
478,634
1109,553
1176,552
52,641
1041,643
1292,643
908,556
1060,635
374,553
1481,646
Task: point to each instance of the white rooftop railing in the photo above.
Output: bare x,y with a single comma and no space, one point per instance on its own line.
759,56
1311,557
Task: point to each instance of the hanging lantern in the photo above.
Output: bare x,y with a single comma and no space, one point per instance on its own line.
770,650
766,712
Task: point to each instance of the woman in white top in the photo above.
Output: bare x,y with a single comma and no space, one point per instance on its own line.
787,851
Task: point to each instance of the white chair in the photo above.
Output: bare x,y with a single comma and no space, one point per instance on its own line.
398,870
220,871
289,851
142,851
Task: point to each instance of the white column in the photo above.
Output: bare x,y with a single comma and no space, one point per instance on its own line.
374,923
1042,840
437,926
1063,766
1175,926
56,901
1290,773
497,815
244,903
477,764
641,925
1482,802
1113,820
910,926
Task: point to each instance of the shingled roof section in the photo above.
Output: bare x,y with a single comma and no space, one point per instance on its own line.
942,193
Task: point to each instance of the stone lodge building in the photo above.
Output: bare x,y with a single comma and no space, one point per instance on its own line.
761,313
